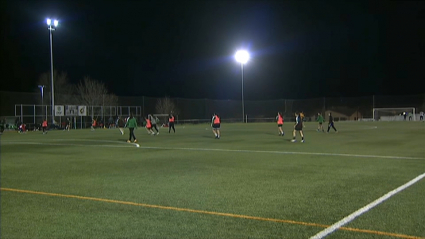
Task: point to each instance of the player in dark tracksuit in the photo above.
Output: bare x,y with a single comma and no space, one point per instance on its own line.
331,123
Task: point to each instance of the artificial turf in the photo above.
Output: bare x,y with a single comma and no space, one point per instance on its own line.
250,183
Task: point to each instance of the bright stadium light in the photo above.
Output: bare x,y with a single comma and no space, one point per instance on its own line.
242,57
52,28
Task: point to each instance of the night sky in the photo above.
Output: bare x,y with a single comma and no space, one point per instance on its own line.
299,49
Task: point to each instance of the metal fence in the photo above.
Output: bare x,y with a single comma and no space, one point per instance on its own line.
200,110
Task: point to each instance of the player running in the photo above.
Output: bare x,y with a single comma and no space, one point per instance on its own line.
154,121
149,125
215,124
298,127
320,120
279,119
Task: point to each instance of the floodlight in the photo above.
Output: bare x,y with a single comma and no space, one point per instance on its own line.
242,56
49,21
56,22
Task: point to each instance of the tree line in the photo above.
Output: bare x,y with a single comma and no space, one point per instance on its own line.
88,91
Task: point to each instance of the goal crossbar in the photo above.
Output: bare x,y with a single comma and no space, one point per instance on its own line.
394,114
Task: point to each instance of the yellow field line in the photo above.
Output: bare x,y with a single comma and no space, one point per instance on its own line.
209,212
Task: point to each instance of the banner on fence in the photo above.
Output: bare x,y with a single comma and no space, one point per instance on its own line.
82,110
59,110
71,110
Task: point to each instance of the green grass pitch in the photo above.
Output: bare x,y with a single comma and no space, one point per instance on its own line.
251,183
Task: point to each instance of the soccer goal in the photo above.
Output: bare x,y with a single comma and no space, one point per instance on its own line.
394,114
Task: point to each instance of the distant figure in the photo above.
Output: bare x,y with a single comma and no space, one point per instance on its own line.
149,125
331,123
44,126
120,124
215,124
68,124
279,119
131,125
154,122
111,122
302,118
320,120
93,125
404,116
298,127
171,123
410,116
22,128
421,116
2,125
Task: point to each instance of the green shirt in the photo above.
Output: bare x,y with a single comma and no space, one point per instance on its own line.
131,123
320,119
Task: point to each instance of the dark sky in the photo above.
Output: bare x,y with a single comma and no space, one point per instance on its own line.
299,49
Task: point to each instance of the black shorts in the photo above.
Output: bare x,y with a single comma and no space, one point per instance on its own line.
298,127
320,123
216,126
279,125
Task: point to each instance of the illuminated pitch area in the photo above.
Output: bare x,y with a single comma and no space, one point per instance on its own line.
250,183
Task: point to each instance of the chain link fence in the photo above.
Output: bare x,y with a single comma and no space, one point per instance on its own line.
31,108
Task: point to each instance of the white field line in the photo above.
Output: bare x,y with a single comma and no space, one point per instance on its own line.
207,149
82,145
364,209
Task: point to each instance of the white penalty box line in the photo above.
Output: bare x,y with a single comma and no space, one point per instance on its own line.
364,209
119,144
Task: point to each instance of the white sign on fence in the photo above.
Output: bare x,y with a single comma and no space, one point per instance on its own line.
59,110
82,110
71,110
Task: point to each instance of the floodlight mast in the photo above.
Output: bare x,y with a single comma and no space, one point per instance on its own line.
52,28
42,99
242,57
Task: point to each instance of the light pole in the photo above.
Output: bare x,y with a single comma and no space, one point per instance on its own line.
242,57
52,28
42,99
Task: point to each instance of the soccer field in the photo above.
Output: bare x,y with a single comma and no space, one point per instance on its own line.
251,183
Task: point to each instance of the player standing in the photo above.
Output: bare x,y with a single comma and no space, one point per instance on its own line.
171,123
44,126
279,119
215,124
131,125
331,123
421,116
320,120
93,125
298,127
120,124
68,124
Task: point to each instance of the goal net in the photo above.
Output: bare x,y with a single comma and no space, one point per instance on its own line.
394,114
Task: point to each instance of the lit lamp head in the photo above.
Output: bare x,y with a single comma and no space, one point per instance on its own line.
49,22
242,56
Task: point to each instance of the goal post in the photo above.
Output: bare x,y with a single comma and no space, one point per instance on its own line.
394,114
